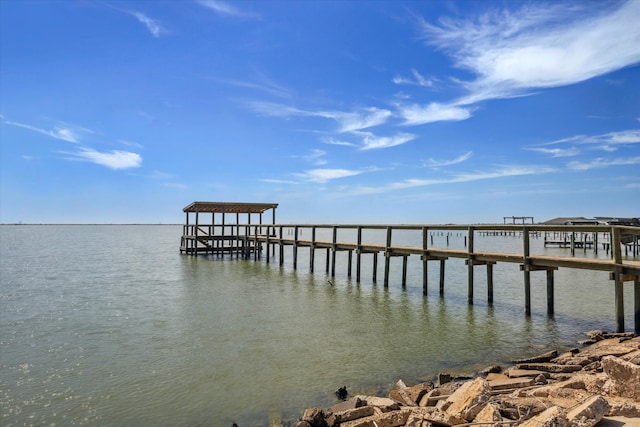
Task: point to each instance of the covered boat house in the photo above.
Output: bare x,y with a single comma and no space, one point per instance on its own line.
215,227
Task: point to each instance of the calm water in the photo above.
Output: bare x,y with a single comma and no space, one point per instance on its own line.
110,325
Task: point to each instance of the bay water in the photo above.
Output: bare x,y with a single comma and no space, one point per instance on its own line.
110,325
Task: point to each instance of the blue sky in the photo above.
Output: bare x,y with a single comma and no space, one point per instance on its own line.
340,111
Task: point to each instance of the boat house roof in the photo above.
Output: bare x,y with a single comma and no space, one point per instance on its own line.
229,207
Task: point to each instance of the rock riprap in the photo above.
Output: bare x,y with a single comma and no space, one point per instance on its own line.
580,388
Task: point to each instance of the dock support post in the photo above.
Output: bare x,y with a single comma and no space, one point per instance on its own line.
281,260
425,261
350,258
375,267
550,293
295,247
425,275
328,260
442,277
195,242
333,253
617,277
490,283
387,258
404,271
213,232
636,305
619,300
527,273
358,253
312,249
470,268
266,244
257,246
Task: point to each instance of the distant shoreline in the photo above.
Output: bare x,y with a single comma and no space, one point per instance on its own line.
81,223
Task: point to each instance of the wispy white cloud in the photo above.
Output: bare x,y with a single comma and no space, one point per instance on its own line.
176,185
505,171
605,142
557,152
156,174
316,157
416,79
129,143
334,141
267,87
61,131
541,45
374,142
279,181
415,114
349,121
432,163
115,159
355,121
324,175
600,163
225,8
152,25
274,109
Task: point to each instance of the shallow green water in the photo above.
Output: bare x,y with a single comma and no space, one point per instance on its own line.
110,325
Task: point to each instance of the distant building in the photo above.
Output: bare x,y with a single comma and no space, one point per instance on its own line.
599,220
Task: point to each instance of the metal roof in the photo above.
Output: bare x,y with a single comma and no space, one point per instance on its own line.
229,207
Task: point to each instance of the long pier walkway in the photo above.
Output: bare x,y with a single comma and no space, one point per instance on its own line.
621,244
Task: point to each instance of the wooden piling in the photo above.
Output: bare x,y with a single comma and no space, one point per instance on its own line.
404,270
470,267
387,258
636,304
334,246
490,283
312,249
375,267
527,273
358,253
550,292
617,277
295,248
442,276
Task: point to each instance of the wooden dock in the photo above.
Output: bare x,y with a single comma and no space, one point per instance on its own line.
269,240
621,270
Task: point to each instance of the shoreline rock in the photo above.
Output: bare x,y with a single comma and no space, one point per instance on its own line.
596,385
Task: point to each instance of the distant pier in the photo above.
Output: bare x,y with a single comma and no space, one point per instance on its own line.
257,239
